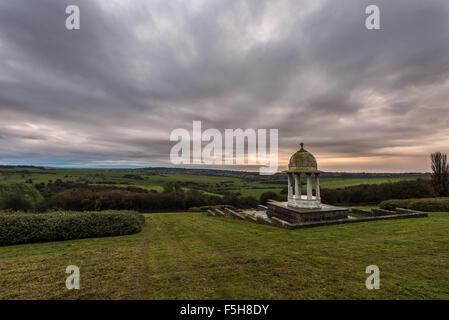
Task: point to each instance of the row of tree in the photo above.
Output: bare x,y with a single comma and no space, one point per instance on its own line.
68,195
440,174
375,193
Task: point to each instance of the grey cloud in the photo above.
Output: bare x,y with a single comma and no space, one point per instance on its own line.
117,87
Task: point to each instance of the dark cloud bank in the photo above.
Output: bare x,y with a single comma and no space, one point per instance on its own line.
112,92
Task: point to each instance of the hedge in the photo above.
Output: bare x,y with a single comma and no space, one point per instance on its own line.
26,228
425,204
375,193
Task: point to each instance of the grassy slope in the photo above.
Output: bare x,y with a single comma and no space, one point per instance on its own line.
28,191
104,177
199,257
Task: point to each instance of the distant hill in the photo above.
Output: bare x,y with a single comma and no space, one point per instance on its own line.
250,175
21,167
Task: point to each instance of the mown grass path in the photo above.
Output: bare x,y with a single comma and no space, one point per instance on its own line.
201,257
192,256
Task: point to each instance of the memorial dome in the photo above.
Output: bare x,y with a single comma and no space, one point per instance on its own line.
302,161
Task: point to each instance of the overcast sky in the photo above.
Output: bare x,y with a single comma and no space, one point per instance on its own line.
110,93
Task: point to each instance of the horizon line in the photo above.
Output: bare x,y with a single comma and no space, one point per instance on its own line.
189,168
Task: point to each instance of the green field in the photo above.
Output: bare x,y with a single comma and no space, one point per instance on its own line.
212,185
193,256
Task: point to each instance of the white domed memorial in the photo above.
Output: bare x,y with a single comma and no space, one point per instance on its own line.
304,208
303,165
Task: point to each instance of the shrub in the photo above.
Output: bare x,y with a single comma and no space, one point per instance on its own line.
26,228
16,203
264,197
427,204
76,196
248,202
19,196
375,193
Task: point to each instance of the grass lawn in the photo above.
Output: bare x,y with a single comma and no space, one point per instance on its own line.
192,256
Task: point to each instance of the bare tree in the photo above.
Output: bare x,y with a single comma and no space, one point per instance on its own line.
440,174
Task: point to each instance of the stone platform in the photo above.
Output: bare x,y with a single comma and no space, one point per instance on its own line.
304,202
327,215
326,212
